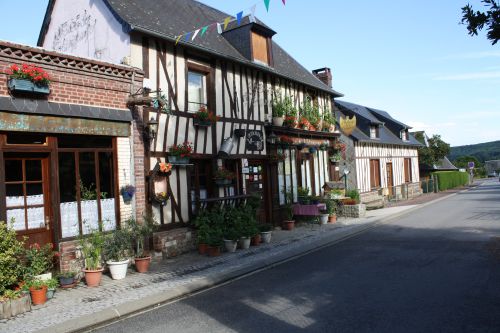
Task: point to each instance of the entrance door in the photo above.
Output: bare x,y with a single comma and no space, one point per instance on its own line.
27,195
390,183
255,183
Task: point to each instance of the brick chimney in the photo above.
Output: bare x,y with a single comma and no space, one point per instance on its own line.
325,75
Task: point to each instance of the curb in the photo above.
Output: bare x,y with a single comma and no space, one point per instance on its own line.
131,308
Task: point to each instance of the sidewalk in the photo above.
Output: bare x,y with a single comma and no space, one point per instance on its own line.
83,307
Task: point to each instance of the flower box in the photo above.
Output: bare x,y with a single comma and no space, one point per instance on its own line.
223,181
178,160
202,123
27,86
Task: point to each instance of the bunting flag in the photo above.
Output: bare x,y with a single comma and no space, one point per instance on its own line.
284,4
178,39
195,34
203,30
252,13
187,35
266,2
239,16
226,21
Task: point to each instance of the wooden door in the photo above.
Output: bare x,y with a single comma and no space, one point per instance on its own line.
255,183
27,187
390,182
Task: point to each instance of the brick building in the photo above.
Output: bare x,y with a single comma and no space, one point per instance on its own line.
64,155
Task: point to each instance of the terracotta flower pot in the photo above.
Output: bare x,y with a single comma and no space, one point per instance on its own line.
38,296
256,240
202,248
332,218
93,278
213,251
288,225
142,264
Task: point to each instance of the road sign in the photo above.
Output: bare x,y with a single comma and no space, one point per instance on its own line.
471,165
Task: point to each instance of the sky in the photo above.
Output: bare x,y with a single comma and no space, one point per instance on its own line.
410,58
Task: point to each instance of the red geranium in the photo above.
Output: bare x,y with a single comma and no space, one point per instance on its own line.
183,150
30,72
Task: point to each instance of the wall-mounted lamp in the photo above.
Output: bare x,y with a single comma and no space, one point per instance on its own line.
272,138
152,128
239,133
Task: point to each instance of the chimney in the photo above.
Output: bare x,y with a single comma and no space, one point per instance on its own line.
325,75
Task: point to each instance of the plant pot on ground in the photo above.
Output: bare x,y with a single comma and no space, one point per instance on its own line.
139,233
201,223
265,233
230,245
288,223
244,242
38,291
256,240
117,250
51,287
67,278
331,209
91,246
323,218
230,236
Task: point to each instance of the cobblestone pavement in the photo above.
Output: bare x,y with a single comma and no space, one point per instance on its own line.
172,273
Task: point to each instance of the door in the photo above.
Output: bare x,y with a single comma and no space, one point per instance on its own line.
28,196
255,182
390,183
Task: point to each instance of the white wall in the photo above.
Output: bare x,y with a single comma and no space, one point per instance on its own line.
87,28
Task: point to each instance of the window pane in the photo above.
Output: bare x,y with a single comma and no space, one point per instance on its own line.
67,191
88,192
18,217
294,174
281,180
33,170
26,139
13,170
15,195
36,216
106,181
84,141
196,91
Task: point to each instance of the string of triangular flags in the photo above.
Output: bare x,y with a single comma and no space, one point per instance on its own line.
222,26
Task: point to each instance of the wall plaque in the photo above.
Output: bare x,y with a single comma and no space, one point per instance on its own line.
255,140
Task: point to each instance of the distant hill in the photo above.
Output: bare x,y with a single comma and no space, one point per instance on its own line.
482,151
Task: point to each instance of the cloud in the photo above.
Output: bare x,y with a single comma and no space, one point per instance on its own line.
469,76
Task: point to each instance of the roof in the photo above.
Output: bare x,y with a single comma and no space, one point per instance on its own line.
387,118
365,117
155,17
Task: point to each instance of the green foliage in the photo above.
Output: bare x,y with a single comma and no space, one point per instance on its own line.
353,194
463,162
118,245
477,20
289,205
310,111
39,259
265,227
52,283
67,275
431,154
302,191
91,247
11,269
331,207
90,193
140,231
283,106
482,151
451,179
36,284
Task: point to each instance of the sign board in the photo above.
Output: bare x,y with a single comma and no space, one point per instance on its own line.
348,124
471,165
255,140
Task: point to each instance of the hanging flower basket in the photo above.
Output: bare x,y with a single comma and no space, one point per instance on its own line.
179,154
165,169
161,198
127,192
204,118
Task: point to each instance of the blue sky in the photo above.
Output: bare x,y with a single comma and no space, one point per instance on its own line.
412,59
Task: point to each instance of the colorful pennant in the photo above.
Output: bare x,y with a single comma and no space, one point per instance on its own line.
178,39
266,2
203,30
239,16
195,34
226,22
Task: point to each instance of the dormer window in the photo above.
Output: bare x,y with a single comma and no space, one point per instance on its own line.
374,132
404,135
260,48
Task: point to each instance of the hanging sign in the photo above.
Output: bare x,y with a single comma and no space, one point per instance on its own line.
348,124
255,140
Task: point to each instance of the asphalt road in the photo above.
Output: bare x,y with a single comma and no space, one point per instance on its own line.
436,270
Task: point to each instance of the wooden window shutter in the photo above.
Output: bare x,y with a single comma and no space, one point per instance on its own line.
374,173
407,170
259,48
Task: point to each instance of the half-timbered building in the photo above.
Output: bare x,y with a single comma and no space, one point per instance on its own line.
381,158
234,71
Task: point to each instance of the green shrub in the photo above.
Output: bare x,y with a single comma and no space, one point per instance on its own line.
451,179
353,194
11,269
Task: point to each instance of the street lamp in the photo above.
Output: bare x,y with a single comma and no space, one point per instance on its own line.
152,128
346,172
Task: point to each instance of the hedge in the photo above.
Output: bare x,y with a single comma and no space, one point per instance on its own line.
451,179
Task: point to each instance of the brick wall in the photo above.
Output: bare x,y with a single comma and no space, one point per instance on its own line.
73,80
174,242
125,176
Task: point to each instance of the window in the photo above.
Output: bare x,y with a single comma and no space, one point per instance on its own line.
197,90
287,174
200,181
404,135
407,166
374,133
260,48
374,174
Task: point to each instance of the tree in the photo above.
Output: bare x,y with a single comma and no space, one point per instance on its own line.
435,149
477,20
462,162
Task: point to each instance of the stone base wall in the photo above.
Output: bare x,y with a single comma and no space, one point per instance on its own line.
353,210
414,190
70,259
171,243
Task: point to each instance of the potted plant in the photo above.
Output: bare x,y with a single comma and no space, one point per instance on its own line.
303,195
289,222
161,198
304,123
140,232
336,157
40,260
127,192
28,79
67,279
214,242
165,168
204,118
38,291
246,225
180,153
91,247
265,233
223,176
290,121
279,109
331,209
117,250
51,287
201,222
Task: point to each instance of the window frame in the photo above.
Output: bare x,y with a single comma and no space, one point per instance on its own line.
375,176
267,52
407,170
374,132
